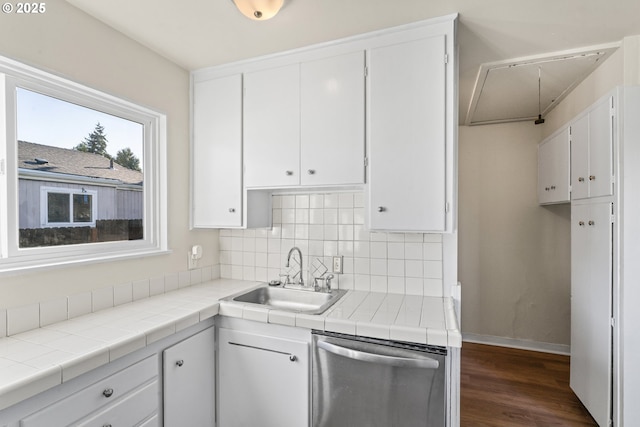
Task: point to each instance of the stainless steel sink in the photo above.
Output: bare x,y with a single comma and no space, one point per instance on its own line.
299,301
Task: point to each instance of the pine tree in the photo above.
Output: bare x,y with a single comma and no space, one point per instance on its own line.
96,142
126,158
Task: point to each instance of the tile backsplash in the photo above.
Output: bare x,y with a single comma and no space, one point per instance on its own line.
333,224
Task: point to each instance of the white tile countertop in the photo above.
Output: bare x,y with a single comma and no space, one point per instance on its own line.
34,361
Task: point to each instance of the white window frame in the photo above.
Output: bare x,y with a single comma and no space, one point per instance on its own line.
44,207
15,259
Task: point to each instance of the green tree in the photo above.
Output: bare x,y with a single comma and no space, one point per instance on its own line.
96,142
126,158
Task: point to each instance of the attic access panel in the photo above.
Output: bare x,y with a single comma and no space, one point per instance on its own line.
507,91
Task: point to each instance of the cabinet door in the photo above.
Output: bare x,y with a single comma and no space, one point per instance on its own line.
553,169
217,152
263,381
580,158
189,381
272,127
407,136
332,120
591,296
601,149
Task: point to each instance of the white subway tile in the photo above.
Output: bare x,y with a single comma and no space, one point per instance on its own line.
379,283
361,233
225,232
288,216
123,294
330,248
395,285
413,237
433,270
249,244
395,237
358,200
432,251
236,244
275,232
274,246
225,272
261,260
331,216
316,232
362,282
171,282
288,202
102,299
225,257
361,249
156,287
413,250
262,233
395,250
378,267
432,238
302,216
433,288
345,200
22,319
3,323
331,232
316,201
276,216
141,287
302,231
376,236
414,286
362,265
225,243
358,216
237,257
414,269
395,267
248,273
53,311
288,231
348,266
331,200
345,248
345,216
316,248
262,245
249,259
346,281
249,232
316,216
236,232
262,274
79,304
276,201
236,272
302,201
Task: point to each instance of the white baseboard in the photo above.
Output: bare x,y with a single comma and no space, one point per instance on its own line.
544,347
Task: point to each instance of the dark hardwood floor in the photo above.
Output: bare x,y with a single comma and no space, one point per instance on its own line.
509,387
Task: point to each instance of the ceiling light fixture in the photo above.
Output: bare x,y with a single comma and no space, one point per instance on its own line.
540,120
259,10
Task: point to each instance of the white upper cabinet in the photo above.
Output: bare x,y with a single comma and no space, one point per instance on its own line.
217,152
272,127
332,120
553,168
592,152
407,139
304,123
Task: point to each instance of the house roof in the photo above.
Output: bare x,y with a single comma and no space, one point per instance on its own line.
46,158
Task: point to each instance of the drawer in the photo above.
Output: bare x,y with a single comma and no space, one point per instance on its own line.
94,397
151,422
129,411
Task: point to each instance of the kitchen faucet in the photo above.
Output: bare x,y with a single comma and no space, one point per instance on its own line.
295,248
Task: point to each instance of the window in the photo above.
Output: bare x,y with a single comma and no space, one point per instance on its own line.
82,173
63,207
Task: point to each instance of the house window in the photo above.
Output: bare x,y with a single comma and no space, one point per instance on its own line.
82,173
61,207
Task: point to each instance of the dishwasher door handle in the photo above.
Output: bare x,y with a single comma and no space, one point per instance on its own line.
402,362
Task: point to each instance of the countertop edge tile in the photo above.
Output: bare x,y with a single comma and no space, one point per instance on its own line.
31,385
85,363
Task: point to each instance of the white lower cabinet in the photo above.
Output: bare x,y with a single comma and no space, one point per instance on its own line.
591,307
262,380
189,381
126,398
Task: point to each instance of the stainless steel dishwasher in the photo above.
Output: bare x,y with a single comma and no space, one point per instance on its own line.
370,382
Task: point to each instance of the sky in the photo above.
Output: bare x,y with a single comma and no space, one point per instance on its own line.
50,121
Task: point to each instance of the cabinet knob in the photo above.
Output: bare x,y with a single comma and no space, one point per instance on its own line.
293,357
289,173
580,179
592,223
232,210
592,177
381,209
581,223
546,188
108,392
553,187
180,363
311,171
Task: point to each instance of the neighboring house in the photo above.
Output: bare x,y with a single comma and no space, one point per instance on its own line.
65,188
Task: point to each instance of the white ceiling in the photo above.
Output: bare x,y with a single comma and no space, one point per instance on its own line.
202,33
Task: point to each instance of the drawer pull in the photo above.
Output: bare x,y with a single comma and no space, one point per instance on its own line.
289,173
108,392
581,223
382,209
592,177
311,171
580,179
180,363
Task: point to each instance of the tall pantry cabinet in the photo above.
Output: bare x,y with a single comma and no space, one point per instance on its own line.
605,257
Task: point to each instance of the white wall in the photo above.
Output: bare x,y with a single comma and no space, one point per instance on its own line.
513,254
70,43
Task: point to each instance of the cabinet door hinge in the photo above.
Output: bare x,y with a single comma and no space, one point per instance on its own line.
446,58
366,162
447,207
366,71
613,322
1,166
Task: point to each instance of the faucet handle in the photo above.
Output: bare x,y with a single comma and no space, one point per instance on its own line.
327,282
287,280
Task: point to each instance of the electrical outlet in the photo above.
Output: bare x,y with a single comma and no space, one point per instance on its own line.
337,264
192,262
